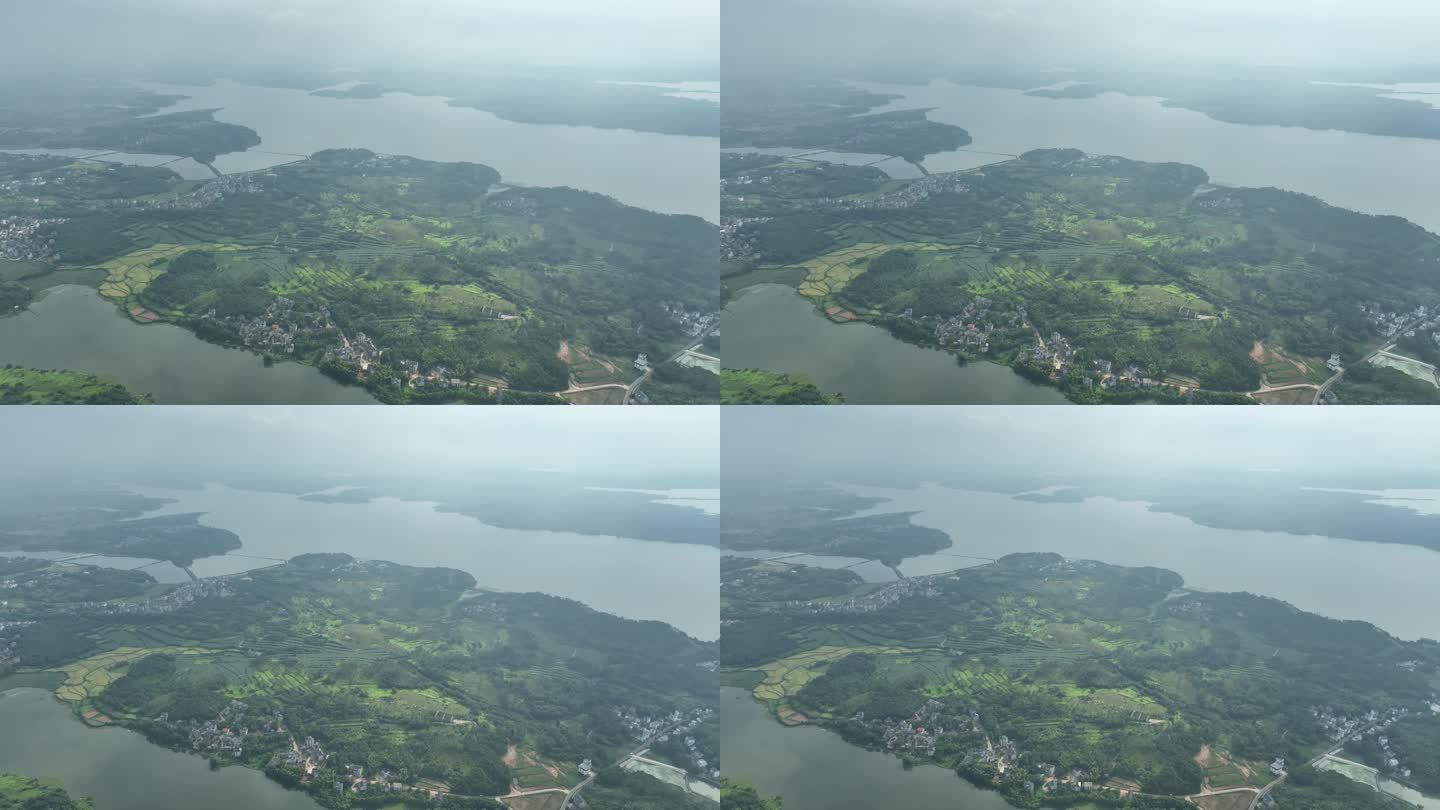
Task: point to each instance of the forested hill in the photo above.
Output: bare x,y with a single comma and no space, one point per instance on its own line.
376,677
422,281
1114,279
1045,678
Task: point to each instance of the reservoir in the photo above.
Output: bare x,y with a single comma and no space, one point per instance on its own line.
1390,585
1375,174
677,583
673,174
814,769
1387,584
121,769
72,327
771,327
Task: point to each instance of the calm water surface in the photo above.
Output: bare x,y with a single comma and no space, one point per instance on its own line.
1388,584
770,326
1371,173
119,768
814,769
676,583
72,327
674,174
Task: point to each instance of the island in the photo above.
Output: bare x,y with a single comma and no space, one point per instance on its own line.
1058,681
369,684
1115,280
423,282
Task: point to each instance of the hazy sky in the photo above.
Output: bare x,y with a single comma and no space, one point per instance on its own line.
1165,33
338,439
391,33
840,443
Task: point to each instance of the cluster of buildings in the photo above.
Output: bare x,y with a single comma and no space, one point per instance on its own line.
696,323
1056,352
1373,725
919,733
438,377
177,598
205,196
28,239
361,350
911,194
230,729
24,187
276,329
10,644
1340,728
737,238
516,203
1003,754
698,763
972,327
644,728
867,603
1052,780
1394,325
1132,375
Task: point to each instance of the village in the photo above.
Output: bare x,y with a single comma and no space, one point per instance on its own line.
1395,325
695,324
1370,727
697,763
738,240
871,602
28,239
177,598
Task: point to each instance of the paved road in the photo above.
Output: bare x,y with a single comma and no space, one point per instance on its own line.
1260,795
642,749
635,386
1334,378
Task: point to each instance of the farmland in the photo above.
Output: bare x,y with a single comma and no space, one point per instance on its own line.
327,670
1115,280
421,281
1042,677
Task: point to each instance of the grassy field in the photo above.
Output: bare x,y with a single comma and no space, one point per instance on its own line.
23,386
788,675
87,678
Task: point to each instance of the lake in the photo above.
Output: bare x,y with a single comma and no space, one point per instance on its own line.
673,174
121,769
814,769
72,327
676,583
1388,584
1372,173
770,326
